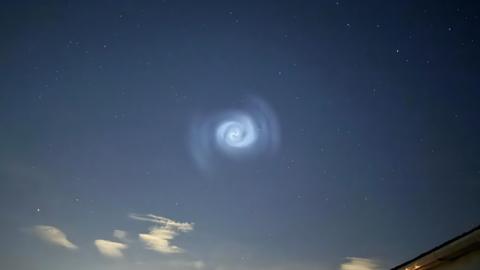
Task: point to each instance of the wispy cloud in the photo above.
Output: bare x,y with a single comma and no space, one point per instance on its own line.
53,235
165,222
110,248
160,236
120,235
355,263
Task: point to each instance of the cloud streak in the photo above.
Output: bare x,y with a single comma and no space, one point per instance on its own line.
160,236
110,249
53,235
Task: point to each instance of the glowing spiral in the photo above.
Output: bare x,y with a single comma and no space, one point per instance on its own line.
238,133
234,134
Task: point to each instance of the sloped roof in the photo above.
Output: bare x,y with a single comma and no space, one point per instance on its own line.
446,252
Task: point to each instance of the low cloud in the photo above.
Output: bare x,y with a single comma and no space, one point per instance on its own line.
159,240
197,265
53,235
160,236
355,263
110,248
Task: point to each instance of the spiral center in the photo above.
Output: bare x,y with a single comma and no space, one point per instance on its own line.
236,133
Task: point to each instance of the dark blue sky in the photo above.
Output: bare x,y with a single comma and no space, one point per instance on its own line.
375,105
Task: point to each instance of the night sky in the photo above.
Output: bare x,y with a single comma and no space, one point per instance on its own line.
236,135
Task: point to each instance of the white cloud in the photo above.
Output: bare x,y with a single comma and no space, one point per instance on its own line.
53,235
159,237
159,240
359,264
121,235
110,248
